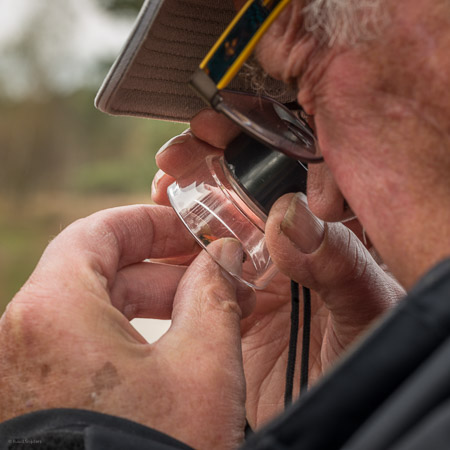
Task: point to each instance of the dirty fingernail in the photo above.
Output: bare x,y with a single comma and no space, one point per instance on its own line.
231,254
183,137
301,226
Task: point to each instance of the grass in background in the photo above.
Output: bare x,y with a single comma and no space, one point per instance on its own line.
61,160
25,230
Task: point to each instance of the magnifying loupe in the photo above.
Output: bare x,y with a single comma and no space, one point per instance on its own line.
231,195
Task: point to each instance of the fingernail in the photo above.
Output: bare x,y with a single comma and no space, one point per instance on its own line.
301,226
156,180
183,137
231,254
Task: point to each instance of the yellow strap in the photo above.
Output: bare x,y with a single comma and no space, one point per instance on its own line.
225,34
234,68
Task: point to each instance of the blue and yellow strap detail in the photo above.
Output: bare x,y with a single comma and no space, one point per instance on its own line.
239,39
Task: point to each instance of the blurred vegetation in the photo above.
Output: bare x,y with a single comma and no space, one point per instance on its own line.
61,159
64,143
127,6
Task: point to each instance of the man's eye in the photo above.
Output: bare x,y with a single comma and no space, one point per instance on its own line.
298,111
307,118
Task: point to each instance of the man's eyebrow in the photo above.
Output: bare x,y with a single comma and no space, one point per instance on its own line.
344,21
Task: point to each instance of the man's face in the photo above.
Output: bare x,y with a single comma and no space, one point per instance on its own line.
381,109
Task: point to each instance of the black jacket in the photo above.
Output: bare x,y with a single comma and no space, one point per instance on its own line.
392,392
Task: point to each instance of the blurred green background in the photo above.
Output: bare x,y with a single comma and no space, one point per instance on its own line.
61,159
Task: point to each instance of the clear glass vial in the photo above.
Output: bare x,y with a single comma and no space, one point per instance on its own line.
231,195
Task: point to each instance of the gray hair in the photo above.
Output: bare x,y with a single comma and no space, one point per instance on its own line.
344,21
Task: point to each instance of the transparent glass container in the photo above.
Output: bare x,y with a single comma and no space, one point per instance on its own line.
213,205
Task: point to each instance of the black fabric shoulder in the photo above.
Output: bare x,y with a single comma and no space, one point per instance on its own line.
80,429
431,433
362,396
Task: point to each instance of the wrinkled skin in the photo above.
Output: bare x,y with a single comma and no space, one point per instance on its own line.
67,342
349,288
381,114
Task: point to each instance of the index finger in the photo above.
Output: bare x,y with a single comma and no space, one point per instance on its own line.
209,134
114,238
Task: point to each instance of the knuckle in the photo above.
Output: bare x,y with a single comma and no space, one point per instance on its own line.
220,297
23,322
100,226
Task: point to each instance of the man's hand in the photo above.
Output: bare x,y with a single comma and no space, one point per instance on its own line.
349,289
67,341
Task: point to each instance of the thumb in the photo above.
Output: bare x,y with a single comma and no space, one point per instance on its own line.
331,260
209,300
203,348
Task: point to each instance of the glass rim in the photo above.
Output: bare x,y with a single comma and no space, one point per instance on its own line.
264,134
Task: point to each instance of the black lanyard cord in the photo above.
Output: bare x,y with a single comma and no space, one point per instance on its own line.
304,370
304,367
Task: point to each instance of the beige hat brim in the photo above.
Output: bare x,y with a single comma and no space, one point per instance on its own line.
169,40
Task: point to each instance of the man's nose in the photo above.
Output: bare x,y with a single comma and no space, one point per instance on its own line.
325,199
